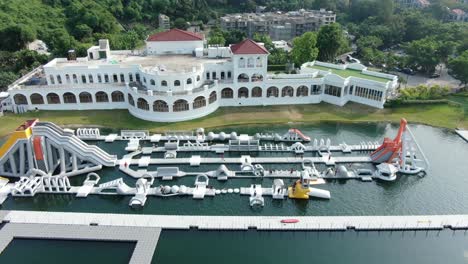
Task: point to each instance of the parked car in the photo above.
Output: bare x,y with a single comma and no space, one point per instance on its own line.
408,71
434,75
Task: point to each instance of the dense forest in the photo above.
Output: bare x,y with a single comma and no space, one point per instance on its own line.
376,24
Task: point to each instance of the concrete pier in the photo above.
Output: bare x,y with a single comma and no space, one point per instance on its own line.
146,238
317,223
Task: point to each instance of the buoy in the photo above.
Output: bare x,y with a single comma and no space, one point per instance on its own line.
236,190
217,191
223,191
230,190
183,189
289,221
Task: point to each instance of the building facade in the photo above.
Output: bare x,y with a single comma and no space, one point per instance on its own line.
280,26
176,86
413,3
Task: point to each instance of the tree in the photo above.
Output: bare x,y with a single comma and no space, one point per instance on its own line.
233,36
304,48
15,37
7,78
424,53
330,40
180,23
459,67
217,39
265,39
385,10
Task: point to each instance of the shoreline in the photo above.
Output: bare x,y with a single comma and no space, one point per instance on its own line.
435,115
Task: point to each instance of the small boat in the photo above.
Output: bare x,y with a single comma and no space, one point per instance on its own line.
289,221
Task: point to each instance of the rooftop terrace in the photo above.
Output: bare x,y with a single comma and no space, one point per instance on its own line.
350,73
173,62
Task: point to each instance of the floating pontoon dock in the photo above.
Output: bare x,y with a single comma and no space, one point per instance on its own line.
183,222
146,238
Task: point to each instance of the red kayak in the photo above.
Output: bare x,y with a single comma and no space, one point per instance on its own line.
289,221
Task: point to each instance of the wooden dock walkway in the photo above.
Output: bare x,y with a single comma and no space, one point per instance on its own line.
146,238
317,223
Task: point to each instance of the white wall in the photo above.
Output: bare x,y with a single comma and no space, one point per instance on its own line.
172,47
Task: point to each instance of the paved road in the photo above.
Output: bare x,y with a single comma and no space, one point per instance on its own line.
444,80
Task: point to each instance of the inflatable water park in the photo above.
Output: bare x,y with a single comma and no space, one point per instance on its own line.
41,157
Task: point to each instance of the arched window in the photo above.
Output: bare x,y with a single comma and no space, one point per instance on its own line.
52,79
20,99
160,106
212,98
176,83
142,104
227,93
117,96
250,63
59,79
272,92
130,100
106,78
90,77
53,98
180,105
85,98
199,102
130,77
99,78
259,62
198,78
164,83
241,63
243,78
102,97
152,82
83,78
302,91
69,98
67,78
223,75
243,92
122,77
287,91
36,99
115,78
257,92
189,81
75,78
257,77
137,77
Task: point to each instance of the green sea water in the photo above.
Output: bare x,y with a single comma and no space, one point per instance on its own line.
442,191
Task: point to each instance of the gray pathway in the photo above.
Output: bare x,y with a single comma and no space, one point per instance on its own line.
146,238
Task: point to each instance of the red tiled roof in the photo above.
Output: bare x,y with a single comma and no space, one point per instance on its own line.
458,11
248,46
175,35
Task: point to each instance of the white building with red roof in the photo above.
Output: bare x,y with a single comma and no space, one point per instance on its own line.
458,15
174,41
177,78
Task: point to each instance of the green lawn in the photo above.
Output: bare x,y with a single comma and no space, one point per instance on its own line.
442,115
347,73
